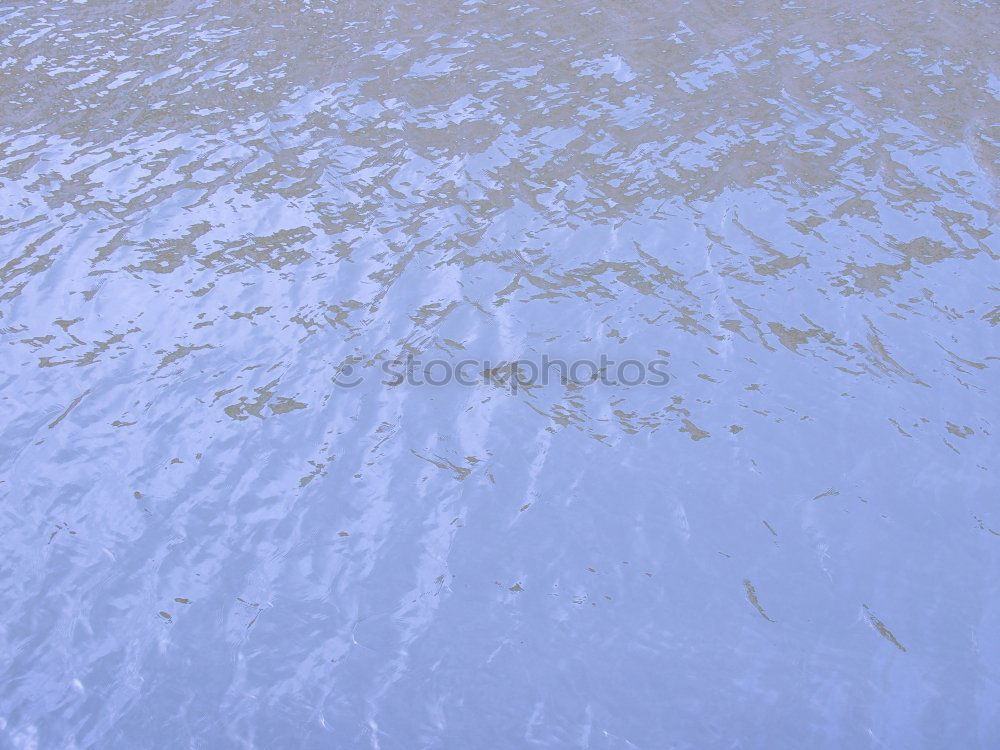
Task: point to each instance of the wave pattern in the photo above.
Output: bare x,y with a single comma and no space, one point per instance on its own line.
208,209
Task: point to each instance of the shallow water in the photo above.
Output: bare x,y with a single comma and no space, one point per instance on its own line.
210,212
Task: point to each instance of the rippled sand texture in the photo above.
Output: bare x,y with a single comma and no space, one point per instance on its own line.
207,208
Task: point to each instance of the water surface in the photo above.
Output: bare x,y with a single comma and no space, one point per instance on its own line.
208,210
